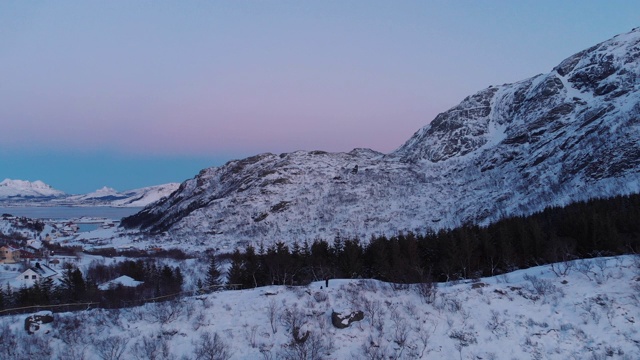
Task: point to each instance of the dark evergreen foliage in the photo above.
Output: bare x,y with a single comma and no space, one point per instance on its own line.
213,274
159,284
581,230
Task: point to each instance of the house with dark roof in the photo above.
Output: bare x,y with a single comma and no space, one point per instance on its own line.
35,273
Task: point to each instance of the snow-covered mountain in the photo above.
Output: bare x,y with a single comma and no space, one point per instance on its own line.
568,135
22,189
14,192
132,198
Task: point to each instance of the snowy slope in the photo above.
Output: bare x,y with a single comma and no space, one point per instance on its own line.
26,189
589,313
147,195
569,135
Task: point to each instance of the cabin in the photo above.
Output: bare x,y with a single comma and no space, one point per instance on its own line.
35,273
9,255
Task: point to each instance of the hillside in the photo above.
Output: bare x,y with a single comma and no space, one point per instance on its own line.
589,313
568,135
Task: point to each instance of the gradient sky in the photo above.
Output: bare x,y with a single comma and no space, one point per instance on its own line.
136,93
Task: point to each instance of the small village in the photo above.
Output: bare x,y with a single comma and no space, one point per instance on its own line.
32,250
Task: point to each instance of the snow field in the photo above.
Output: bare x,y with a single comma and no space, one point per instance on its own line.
590,312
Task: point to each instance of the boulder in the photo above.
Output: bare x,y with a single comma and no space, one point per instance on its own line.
342,321
32,323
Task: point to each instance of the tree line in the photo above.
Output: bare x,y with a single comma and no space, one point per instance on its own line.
75,287
580,230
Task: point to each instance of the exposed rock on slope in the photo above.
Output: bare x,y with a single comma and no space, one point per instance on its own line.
568,135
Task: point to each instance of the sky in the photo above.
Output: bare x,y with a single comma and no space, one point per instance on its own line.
129,94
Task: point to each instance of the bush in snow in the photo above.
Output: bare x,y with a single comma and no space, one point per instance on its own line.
541,287
111,348
427,291
151,348
462,339
210,347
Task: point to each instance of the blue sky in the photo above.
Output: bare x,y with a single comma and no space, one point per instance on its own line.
130,94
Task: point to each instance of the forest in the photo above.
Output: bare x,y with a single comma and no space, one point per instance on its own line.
556,235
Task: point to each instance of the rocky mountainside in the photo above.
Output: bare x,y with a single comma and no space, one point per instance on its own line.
568,135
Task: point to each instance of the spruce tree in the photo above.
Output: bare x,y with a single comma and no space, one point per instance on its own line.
212,280
237,271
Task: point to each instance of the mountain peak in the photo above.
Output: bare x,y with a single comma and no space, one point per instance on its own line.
105,190
601,74
10,188
568,135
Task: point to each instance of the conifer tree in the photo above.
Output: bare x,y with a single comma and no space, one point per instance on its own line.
212,280
237,272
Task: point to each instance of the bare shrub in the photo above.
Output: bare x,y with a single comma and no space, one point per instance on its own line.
585,267
312,346
541,287
563,268
199,319
423,339
135,314
601,264
401,333
166,312
211,348
111,348
497,324
373,350
293,319
250,333
72,352
462,339
34,347
451,304
151,348
9,343
373,309
272,314
427,291
70,329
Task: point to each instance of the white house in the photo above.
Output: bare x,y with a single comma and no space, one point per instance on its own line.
33,274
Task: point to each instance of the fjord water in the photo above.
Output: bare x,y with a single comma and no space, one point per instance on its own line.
69,212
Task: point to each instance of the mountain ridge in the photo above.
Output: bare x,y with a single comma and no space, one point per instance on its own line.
24,192
10,188
568,135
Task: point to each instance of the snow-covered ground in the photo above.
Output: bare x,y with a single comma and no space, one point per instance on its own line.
590,312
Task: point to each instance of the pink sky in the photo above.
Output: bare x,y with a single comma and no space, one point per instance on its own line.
230,79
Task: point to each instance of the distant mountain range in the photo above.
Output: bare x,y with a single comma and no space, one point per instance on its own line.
22,192
569,135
